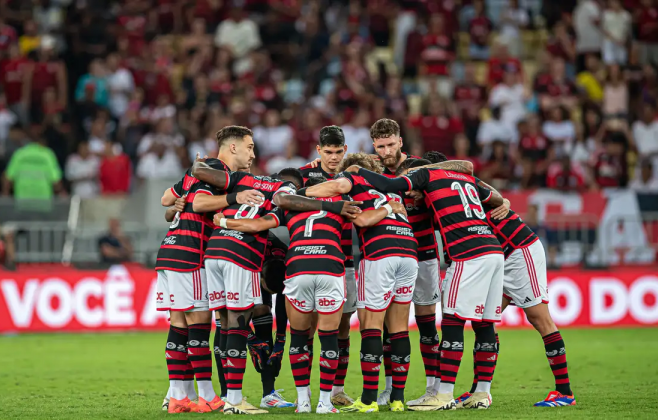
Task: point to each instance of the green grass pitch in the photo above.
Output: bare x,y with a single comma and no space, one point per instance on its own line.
120,376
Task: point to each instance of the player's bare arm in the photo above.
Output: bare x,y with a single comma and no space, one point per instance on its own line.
329,188
462,166
372,217
204,203
168,198
291,202
178,207
246,225
215,177
500,212
170,214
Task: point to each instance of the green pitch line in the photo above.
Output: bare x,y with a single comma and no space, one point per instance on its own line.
614,374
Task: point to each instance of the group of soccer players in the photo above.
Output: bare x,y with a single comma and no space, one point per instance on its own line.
220,256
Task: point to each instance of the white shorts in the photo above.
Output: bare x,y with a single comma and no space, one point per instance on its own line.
231,286
427,283
384,281
525,282
472,289
315,292
350,291
184,291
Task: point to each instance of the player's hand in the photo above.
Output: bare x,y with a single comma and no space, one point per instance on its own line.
398,208
251,197
353,168
416,195
277,354
499,213
217,217
314,163
179,204
199,158
259,352
350,209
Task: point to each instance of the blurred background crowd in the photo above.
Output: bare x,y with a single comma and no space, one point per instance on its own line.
103,94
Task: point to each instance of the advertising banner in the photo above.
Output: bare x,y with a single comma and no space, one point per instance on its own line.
123,298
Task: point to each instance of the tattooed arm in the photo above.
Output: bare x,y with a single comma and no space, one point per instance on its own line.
291,202
462,166
500,212
202,171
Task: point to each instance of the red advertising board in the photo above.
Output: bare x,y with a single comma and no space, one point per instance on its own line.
123,298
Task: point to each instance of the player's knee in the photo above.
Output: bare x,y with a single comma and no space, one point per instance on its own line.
239,319
260,310
541,321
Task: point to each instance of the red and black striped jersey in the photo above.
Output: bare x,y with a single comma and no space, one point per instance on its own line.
456,201
420,220
315,241
244,249
346,235
309,172
182,249
392,236
512,232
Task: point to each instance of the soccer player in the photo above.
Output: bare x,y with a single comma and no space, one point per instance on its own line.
525,285
385,135
474,281
234,260
387,274
332,149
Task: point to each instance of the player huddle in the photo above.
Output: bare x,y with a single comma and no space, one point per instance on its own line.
219,255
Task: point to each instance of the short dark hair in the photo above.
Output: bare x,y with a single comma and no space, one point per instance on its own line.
315,180
434,157
293,173
411,163
383,128
364,160
332,135
232,132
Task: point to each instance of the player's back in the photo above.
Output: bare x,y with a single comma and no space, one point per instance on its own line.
392,236
183,246
511,232
457,202
315,241
244,249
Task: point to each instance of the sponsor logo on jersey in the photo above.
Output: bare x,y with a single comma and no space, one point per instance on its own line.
311,249
400,230
388,295
404,290
170,240
213,296
234,296
479,309
298,303
480,230
454,175
159,297
233,233
327,302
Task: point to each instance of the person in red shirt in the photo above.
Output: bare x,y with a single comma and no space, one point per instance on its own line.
557,90
437,127
610,166
132,23
115,170
13,71
564,176
535,153
500,63
479,28
646,22
438,52
47,71
562,42
8,37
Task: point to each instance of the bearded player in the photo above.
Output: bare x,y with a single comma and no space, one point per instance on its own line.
332,149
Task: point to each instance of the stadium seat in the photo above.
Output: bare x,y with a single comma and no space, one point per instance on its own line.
481,70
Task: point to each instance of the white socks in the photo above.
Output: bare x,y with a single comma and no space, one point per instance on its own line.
429,382
337,390
234,396
437,384
389,382
445,388
189,389
302,394
177,390
325,397
206,390
483,387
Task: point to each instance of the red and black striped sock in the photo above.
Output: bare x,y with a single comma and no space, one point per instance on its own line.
263,329
328,359
236,363
557,359
400,359
429,345
299,357
176,354
452,350
220,355
475,369
371,360
309,345
343,361
198,350
485,354
387,357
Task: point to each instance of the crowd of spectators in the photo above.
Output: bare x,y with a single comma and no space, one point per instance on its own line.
98,95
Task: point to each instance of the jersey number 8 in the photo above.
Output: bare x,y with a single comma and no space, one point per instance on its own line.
251,212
